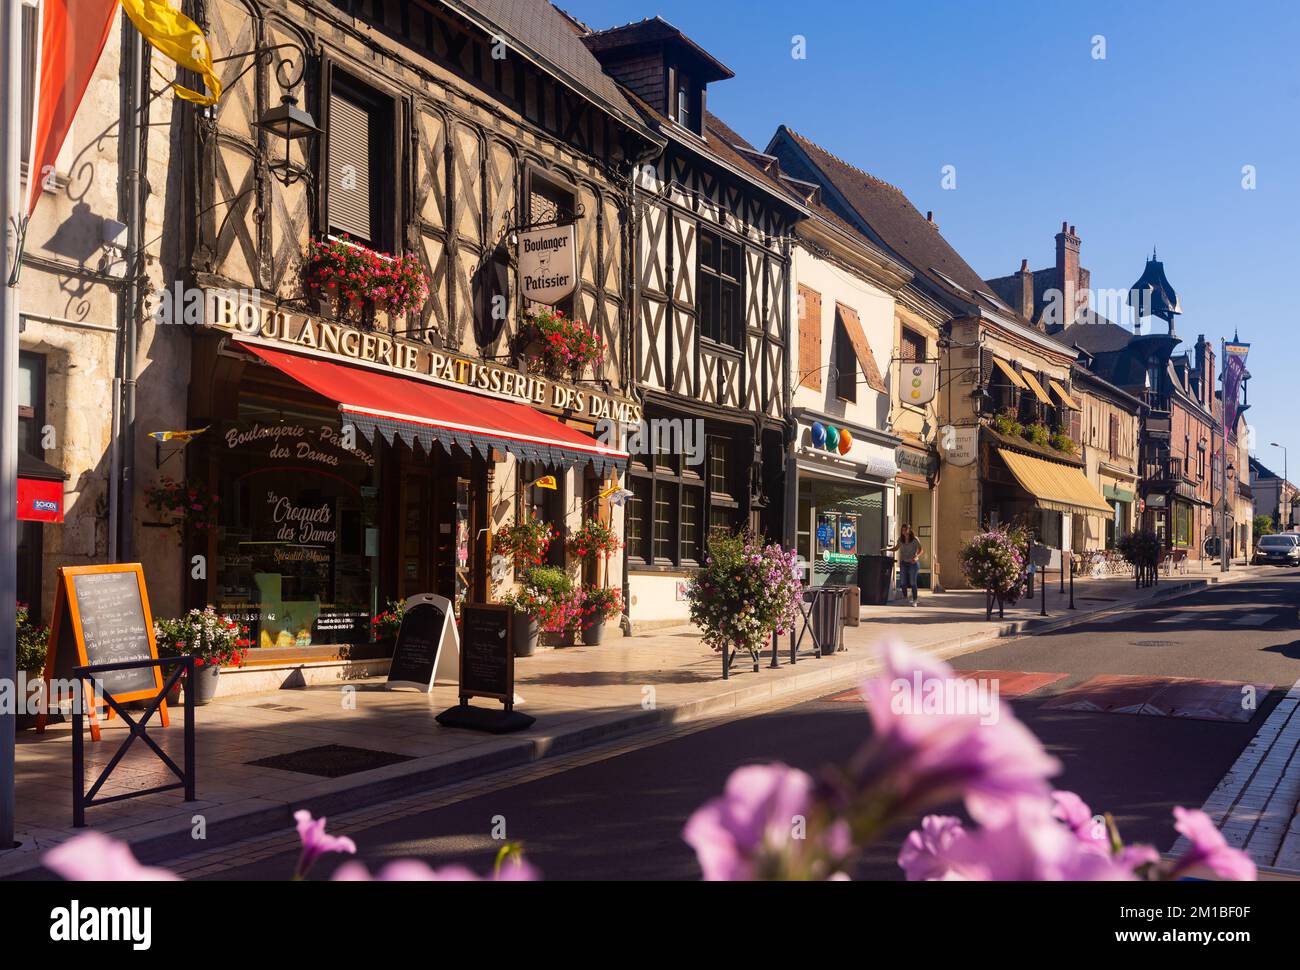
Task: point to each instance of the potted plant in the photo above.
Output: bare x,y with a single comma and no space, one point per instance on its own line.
745,592
598,605
559,343
1037,434
1004,422
543,601
358,281
995,561
386,625
32,642
212,639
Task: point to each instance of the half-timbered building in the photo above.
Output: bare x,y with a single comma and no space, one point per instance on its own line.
712,222
369,450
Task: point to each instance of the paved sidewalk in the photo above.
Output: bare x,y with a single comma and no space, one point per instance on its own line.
580,696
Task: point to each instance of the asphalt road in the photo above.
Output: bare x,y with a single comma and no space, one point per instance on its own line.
621,818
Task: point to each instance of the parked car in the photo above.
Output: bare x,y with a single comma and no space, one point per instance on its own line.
1282,549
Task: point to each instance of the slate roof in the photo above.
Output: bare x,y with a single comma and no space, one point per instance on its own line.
891,217
654,30
546,34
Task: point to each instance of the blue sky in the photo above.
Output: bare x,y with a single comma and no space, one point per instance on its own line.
1145,147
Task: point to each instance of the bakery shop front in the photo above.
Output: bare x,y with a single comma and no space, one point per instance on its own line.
353,467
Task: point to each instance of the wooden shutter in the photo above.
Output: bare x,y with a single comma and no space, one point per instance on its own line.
1114,435
810,338
861,348
349,168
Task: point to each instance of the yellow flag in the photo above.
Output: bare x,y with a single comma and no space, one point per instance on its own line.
176,36
546,481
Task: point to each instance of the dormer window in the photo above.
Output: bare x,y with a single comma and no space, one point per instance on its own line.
684,100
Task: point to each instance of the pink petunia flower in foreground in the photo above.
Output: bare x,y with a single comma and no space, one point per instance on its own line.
925,853
927,756
1210,854
1026,843
316,842
758,824
513,869
1079,819
94,857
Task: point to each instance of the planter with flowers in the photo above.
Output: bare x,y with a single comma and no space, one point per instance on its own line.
32,641
560,344
357,281
188,505
544,602
995,562
386,625
524,541
747,591
211,638
598,605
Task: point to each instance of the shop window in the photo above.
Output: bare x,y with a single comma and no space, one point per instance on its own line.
638,506
361,200
674,507
718,290
297,553
665,522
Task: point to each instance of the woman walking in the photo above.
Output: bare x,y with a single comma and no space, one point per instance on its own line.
909,551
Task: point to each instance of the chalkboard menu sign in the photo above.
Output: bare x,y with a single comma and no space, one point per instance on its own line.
426,643
101,616
487,656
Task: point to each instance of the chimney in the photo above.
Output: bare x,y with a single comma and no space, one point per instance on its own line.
1027,307
1205,364
1067,270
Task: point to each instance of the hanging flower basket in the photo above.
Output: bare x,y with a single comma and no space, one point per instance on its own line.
559,343
594,539
360,281
525,541
184,504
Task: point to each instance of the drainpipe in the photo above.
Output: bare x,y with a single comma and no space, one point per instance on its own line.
10,207
134,131
789,530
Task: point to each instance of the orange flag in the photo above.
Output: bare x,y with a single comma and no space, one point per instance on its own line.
70,49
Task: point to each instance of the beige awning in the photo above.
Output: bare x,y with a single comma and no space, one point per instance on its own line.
1010,373
1064,396
861,349
1055,487
1037,388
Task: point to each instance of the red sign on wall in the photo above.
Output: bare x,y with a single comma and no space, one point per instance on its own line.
40,501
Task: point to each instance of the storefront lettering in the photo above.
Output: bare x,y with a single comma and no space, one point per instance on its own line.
302,450
280,326
300,523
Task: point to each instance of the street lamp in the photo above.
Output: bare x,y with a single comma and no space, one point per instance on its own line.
1281,489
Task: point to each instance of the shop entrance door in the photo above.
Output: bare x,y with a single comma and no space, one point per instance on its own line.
435,535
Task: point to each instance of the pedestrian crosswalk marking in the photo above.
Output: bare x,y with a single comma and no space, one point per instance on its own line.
1252,619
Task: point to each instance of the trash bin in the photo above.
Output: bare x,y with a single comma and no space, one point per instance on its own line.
874,576
828,618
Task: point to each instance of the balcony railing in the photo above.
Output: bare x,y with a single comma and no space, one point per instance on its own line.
1156,402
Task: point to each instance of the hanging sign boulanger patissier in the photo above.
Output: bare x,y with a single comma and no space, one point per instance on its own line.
547,264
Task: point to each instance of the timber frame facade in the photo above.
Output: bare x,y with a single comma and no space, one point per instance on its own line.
712,223
473,128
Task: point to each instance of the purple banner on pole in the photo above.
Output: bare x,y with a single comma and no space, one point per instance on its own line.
1234,369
